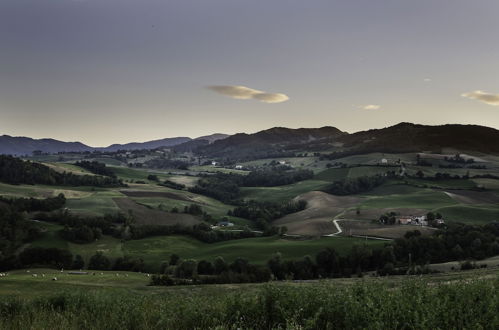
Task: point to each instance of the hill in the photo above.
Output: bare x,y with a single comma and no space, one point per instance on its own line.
168,142
17,145
407,137
20,145
267,142
400,138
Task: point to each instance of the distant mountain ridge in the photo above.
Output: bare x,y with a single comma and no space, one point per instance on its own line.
20,145
267,142
281,141
10,145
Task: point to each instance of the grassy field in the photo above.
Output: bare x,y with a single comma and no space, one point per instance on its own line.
117,300
95,204
155,250
283,193
337,174
478,215
424,198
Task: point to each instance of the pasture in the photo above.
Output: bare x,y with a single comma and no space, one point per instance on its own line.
116,300
282,193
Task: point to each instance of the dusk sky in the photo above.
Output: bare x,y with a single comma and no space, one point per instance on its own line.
116,71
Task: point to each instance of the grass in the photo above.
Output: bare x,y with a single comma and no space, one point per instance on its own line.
333,174
213,169
155,250
422,199
282,193
337,174
118,302
95,204
470,214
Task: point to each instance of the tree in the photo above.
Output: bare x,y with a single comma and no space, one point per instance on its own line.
78,262
276,266
220,265
99,261
327,261
174,259
205,268
186,269
152,177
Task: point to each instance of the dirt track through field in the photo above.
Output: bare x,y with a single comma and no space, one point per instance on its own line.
316,219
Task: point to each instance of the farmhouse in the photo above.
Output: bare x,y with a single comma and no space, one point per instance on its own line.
225,224
420,220
404,220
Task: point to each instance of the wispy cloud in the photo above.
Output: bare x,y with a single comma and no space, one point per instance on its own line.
370,107
246,93
491,99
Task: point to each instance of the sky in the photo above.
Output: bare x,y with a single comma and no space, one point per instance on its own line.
117,71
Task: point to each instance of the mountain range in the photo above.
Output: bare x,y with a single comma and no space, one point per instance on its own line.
17,146
403,137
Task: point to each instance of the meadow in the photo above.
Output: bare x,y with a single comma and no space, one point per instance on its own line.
117,300
157,249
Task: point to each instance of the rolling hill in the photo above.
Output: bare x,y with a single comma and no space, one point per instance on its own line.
20,145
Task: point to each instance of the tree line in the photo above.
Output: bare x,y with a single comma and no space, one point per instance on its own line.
225,186
357,185
17,171
96,168
263,213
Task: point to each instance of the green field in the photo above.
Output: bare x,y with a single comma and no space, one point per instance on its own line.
282,193
257,250
154,250
471,214
337,174
97,203
122,300
423,199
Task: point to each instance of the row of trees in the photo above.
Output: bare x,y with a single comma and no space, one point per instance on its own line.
15,230
201,232
263,213
35,204
357,185
96,168
457,242
17,171
225,186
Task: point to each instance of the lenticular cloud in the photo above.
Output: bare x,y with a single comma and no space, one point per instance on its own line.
491,99
246,93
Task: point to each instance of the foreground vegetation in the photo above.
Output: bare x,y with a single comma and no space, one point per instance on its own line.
413,304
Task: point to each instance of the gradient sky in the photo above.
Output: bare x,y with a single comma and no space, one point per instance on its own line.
115,71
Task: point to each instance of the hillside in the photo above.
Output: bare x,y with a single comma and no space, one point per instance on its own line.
11,145
266,142
20,145
168,142
407,137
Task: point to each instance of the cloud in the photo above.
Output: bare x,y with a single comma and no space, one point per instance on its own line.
427,79
370,107
491,99
246,93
